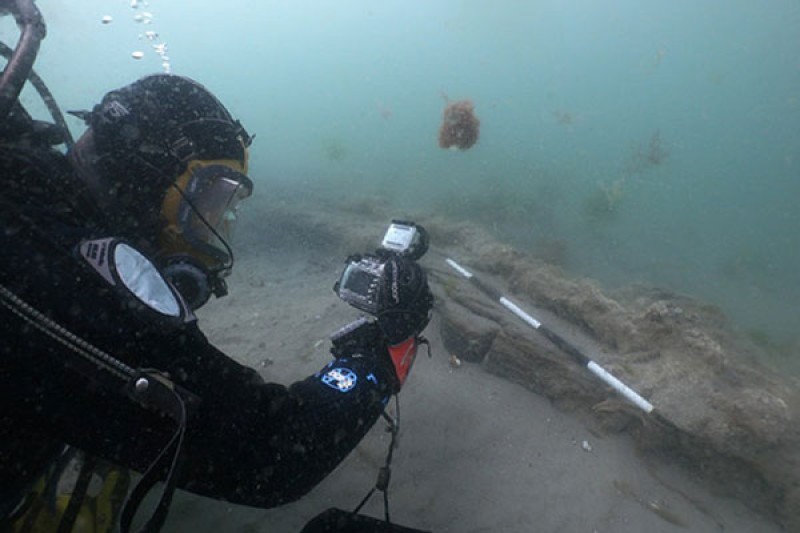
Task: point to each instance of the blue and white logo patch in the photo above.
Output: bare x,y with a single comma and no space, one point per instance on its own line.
341,379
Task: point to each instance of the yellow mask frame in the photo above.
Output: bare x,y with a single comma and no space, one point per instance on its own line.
172,240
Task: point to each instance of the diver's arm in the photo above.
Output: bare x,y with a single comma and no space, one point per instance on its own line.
265,444
247,441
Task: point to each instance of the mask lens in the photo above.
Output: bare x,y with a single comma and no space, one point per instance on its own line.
215,193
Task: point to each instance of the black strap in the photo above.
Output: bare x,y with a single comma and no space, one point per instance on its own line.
167,460
78,494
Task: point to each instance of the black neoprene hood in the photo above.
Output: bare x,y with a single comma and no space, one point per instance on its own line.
164,120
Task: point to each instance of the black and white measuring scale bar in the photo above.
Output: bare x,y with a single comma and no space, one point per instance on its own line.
556,339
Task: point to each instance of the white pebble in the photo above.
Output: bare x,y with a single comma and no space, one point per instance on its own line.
137,55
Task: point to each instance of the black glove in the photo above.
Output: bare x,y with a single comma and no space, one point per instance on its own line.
405,303
405,312
406,300
364,338
394,289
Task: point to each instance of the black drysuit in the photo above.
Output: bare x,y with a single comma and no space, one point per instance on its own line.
247,442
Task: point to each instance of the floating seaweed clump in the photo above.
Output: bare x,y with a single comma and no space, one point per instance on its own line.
460,127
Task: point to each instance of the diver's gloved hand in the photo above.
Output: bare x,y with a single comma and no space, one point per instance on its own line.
404,312
363,338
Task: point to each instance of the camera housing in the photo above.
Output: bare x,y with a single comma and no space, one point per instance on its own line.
361,282
389,285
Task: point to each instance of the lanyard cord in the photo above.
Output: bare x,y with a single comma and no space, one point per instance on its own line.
385,473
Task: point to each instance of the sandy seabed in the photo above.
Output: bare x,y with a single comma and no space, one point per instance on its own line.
477,453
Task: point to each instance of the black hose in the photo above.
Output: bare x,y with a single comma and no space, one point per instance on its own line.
32,31
47,97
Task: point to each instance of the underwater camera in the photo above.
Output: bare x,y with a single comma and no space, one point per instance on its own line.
365,283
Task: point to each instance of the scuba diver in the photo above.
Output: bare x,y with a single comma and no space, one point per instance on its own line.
108,248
